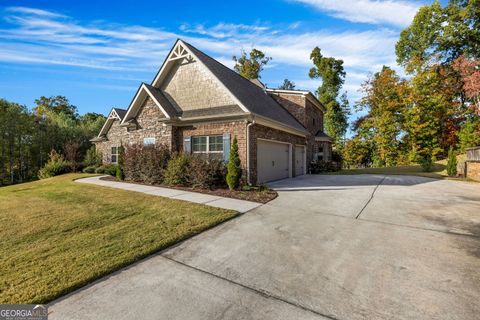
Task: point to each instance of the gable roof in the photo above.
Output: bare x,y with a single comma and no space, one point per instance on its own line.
120,112
115,114
308,94
160,97
252,97
322,136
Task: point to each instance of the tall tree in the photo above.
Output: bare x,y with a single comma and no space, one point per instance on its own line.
331,71
249,66
287,85
440,35
385,100
57,104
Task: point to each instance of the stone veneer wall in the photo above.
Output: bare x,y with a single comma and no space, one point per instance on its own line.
150,124
189,87
259,131
473,170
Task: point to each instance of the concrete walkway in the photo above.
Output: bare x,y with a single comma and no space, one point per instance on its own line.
206,199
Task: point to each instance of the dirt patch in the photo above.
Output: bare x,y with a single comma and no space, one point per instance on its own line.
255,194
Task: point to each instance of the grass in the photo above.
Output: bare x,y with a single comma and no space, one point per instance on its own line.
58,235
439,170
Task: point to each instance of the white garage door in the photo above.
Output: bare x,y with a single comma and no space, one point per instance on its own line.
299,160
272,161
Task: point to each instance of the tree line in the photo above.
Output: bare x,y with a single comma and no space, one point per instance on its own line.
415,119
28,136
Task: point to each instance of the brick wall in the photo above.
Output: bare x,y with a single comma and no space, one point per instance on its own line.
473,170
294,103
235,128
189,87
259,131
150,124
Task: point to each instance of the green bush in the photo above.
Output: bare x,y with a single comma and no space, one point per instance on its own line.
109,169
92,158
89,169
119,170
205,174
52,169
452,163
426,163
323,166
234,170
55,166
176,173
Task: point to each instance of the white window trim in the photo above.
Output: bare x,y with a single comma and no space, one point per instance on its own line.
114,154
207,144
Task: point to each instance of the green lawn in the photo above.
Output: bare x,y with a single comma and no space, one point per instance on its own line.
439,170
58,235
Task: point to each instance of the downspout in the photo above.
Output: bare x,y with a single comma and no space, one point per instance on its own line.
248,149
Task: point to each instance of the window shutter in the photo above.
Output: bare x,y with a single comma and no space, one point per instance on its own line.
226,146
187,145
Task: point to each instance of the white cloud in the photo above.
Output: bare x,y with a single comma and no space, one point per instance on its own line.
34,36
392,12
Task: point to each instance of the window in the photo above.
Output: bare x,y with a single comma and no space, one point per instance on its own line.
148,141
209,146
313,121
115,154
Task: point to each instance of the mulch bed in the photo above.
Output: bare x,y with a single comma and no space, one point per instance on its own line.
255,195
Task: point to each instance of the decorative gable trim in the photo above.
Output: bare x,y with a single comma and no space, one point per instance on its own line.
181,51
142,94
112,116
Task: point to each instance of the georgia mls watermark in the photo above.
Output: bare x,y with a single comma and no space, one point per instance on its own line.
23,312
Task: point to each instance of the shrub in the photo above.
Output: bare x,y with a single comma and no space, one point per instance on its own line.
109,169
55,166
145,163
234,171
89,169
92,158
426,163
452,163
119,170
323,166
205,174
176,173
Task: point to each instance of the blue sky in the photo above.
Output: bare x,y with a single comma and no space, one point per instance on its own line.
98,53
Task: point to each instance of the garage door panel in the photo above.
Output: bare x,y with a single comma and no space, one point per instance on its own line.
299,160
272,161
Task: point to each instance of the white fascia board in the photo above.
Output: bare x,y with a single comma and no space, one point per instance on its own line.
156,101
278,125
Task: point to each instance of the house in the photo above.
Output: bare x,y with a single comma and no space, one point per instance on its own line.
197,105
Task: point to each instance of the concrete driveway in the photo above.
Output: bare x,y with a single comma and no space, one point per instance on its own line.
329,247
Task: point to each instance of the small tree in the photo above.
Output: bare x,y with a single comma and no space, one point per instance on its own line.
452,163
92,157
119,170
234,170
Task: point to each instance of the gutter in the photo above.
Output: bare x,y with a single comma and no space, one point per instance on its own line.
248,148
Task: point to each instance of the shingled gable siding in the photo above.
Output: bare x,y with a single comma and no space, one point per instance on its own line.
259,131
190,87
149,119
235,128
